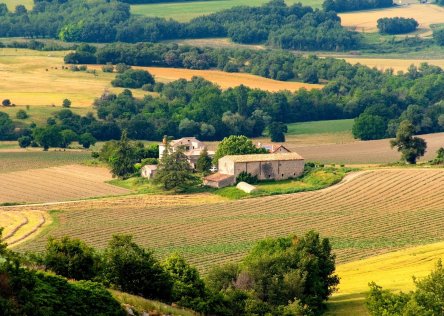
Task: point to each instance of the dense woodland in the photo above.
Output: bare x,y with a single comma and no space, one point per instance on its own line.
355,5
293,27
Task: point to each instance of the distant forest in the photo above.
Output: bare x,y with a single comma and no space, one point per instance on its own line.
276,24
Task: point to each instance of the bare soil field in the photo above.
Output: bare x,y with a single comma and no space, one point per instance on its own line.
395,64
366,21
373,212
55,184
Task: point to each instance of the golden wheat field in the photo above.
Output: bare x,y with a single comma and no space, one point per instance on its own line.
225,79
37,78
395,64
366,21
372,212
54,184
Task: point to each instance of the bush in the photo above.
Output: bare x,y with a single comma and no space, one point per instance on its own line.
6,102
66,103
21,115
133,79
108,68
246,177
121,68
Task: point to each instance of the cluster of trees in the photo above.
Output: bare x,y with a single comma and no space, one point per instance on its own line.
284,276
354,5
25,291
426,299
438,36
397,25
293,27
132,78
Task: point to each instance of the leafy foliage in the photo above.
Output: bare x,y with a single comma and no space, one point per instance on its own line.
131,78
354,5
204,162
236,145
427,299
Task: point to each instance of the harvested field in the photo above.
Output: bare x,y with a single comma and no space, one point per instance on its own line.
374,212
37,78
395,64
366,21
20,159
56,184
225,79
20,225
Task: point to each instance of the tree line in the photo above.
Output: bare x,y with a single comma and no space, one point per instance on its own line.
275,23
355,5
282,276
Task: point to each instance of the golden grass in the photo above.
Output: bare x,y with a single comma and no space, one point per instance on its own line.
226,80
21,225
392,271
37,78
395,64
366,21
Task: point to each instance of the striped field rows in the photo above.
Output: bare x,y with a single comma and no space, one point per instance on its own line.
374,212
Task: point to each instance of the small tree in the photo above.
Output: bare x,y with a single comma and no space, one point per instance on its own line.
410,147
204,163
6,102
68,137
49,136
121,68
87,140
122,158
174,171
66,103
277,131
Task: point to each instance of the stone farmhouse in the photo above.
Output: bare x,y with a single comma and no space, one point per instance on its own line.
277,166
192,148
191,145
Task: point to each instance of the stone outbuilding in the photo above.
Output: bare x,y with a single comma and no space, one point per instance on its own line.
148,171
191,146
278,166
218,180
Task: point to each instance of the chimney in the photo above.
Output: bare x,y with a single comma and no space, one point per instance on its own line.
164,140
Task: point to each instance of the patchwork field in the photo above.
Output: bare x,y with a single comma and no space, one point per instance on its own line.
378,212
185,11
55,184
366,21
395,64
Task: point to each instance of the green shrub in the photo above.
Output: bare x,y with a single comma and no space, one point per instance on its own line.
21,115
246,177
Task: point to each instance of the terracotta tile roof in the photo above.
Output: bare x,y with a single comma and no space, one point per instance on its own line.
275,149
216,177
263,157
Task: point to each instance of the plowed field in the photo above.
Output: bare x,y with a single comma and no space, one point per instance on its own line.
56,184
